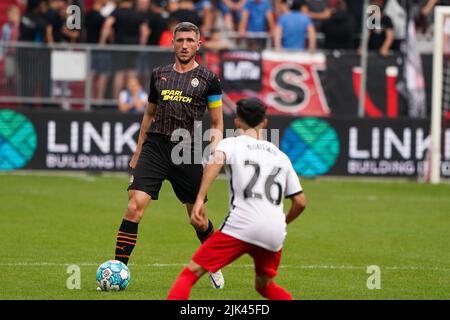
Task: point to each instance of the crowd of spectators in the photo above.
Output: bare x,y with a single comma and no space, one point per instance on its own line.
149,22
225,24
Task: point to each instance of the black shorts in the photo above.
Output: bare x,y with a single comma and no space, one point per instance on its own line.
155,165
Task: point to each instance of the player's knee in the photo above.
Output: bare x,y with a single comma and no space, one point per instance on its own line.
196,268
134,211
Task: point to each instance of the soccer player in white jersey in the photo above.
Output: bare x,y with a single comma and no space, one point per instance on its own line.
260,176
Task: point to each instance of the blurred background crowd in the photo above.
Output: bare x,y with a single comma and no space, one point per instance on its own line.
294,24
225,24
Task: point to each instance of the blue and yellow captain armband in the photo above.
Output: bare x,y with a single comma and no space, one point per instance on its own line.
214,101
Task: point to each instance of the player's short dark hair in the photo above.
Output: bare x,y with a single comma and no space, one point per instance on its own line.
186,26
251,110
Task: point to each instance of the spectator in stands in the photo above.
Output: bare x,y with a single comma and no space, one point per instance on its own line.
10,29
55,20
257,16
205,10
172,6
56,17
10,34
133,98
339,29
33,25
186,12
34,63
130,28
293,27
216,42
100,59
398,14
143,58
108,8
382,38
426,16
167,35
318,10
355,8
158,20
231,11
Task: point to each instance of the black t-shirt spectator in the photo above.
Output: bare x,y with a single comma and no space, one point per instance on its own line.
32,28
355,8
378,36
94,23
339,31
157,24
127,25
57,22
182,15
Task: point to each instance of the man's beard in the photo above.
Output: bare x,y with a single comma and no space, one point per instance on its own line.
186,60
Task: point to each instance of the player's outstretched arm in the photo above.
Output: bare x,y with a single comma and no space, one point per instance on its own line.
298,205
147,120
210,173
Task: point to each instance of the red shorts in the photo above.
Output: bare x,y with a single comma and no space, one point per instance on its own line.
221,249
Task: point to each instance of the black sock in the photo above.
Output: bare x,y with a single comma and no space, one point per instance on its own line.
126,240
203,235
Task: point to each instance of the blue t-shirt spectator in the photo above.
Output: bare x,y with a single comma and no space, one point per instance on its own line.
199,5
295,28
257,10
128,103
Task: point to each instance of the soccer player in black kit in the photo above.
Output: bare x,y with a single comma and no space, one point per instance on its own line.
179,95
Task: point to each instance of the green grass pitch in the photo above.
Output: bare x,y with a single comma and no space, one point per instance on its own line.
48,222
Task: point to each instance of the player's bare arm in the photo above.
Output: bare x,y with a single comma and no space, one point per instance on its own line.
216,116
147,119
298,205
210,173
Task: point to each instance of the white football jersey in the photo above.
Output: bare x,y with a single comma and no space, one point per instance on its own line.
260,177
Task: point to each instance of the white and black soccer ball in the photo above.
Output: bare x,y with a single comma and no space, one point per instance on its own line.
113,275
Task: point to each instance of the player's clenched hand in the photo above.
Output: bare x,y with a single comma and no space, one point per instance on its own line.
134,160
198,214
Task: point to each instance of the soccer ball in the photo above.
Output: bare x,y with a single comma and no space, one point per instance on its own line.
113,275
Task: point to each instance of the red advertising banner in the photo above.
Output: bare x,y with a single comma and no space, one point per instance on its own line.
320,84
291,84
287,82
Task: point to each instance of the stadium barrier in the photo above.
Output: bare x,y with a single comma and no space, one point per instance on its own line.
89,77
101,141
72,76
